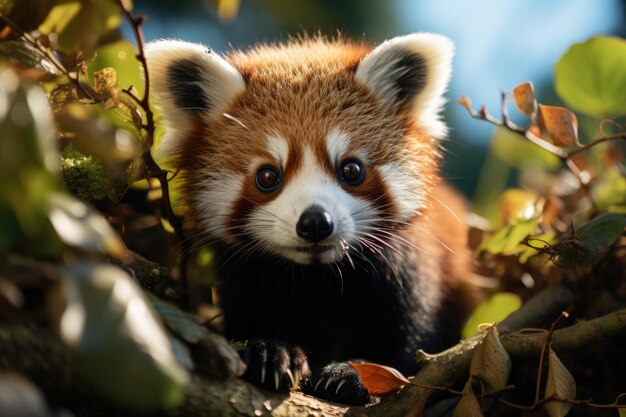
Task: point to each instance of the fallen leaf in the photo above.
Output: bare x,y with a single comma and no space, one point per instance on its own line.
379,380
468,405
491,363
560,384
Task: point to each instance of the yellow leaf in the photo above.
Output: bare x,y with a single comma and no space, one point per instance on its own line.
104,80
517,204
228,9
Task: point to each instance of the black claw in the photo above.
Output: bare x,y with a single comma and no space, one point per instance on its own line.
339,382
274,366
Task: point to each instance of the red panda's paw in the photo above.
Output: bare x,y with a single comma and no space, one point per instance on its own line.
275,366
339,382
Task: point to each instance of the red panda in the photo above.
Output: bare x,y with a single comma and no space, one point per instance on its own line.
311,168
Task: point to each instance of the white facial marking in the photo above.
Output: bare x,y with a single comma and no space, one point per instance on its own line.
275,223
279,148
407,190
215,201
337,145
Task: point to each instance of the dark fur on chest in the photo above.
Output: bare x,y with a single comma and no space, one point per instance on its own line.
372,310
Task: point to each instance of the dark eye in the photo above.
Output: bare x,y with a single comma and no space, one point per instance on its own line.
351,172
267,179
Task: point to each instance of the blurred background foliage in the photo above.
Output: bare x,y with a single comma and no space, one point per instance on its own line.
80,196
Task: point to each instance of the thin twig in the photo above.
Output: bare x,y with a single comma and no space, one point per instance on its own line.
153,168
542,355
618,136
561,153
587,403
50,56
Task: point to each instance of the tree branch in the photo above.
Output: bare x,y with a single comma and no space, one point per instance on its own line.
42,357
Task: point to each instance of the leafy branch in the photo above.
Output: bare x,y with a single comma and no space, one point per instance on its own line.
556,123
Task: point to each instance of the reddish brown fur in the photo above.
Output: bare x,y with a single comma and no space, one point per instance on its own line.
318,89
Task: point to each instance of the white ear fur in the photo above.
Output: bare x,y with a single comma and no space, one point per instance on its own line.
188,80
411,70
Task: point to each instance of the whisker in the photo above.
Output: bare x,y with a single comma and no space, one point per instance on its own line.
236,120
447,208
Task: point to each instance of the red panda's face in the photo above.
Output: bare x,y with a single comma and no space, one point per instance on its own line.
313,151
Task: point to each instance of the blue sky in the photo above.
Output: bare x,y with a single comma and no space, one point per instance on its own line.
500,44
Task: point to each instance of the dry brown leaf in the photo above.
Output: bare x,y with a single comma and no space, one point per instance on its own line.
465,102
104,80
468,405
491,363
379,380
560,384
561,124
524,95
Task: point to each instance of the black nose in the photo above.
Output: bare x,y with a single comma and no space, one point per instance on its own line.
314,225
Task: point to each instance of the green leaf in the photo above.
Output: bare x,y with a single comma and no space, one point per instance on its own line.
493,310
29,162
561,384
541,241
120,56
609,190
94,135
519,152
82,25
506,241
120,343
80,226
600,233
591,76
491,363
27,56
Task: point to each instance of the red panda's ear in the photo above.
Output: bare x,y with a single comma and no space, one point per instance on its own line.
411,73
188,80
